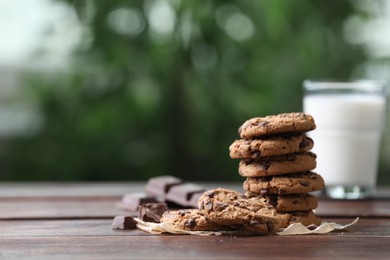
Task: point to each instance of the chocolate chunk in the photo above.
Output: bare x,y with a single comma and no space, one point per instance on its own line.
190,223
305,143
270,226
219,206
123,223
264,191
243,196
201,205
131,201
273,201
152,212
304,183
262,123
265,165
181,194
312,227
208,206
210,194
160,186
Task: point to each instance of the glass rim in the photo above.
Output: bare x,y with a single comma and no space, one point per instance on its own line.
359,84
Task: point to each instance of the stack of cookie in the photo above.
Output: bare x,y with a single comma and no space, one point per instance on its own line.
277,162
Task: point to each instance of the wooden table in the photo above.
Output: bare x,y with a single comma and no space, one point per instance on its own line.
73,221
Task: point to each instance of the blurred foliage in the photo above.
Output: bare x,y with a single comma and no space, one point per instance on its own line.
161,87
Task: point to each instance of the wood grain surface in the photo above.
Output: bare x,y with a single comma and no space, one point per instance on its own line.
73,221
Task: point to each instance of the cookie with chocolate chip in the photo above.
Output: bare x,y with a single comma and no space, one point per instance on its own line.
294,183
306,218
231,208
288,202
276,124
275,145
191,219
277,165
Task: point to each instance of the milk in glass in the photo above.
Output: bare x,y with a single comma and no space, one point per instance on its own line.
347,137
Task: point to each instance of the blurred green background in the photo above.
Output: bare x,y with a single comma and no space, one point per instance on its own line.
126,90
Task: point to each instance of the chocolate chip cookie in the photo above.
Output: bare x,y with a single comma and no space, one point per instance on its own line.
288,202
191,219
231,208
278,164
276,145
285,184
276,124
307,218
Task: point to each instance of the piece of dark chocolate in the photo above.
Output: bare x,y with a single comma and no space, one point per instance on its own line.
124,223
152,212
131,201
193,202
159,186
182,194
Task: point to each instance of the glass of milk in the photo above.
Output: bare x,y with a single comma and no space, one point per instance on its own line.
350,121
